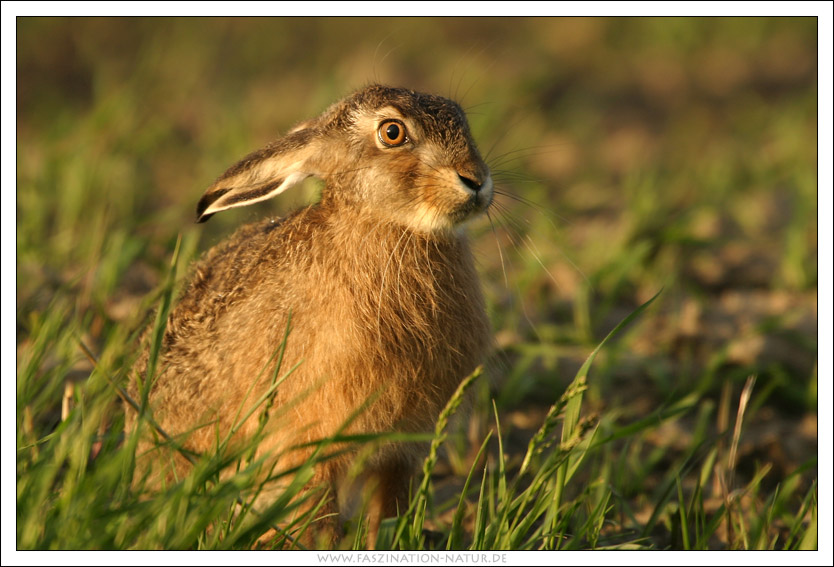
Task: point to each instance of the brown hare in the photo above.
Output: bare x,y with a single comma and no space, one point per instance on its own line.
377,279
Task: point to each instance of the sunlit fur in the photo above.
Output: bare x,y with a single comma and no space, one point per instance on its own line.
378,276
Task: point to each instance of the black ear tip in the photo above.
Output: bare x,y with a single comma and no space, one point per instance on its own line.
201,208
207,200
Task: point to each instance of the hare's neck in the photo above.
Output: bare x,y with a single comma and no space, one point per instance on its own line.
407,282
382,250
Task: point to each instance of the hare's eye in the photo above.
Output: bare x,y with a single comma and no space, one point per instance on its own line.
392,133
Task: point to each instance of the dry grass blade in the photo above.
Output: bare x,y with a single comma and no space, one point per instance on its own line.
727,479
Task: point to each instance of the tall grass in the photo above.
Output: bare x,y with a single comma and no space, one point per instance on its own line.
77,486
632,155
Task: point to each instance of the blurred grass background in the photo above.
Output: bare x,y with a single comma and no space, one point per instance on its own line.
645,153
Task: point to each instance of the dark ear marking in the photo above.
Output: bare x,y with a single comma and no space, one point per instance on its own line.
207,200
253,194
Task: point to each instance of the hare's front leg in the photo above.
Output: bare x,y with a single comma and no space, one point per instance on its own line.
389,484
324,530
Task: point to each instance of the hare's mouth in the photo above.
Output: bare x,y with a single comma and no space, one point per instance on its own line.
479,200
473,206
476,204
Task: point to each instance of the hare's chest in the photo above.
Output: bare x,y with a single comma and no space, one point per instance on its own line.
403,305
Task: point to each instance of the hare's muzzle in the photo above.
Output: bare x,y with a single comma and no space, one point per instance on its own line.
480,195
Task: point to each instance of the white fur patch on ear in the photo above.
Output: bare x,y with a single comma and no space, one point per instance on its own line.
248,194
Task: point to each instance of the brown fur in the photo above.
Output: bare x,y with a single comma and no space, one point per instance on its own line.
378,277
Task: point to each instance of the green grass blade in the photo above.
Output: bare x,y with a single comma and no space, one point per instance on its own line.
684,520
571,417
455,540
419,503
158,330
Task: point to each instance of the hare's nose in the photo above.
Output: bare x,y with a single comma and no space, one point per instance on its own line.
471,183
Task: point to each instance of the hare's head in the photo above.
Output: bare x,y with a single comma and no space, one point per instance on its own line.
401,156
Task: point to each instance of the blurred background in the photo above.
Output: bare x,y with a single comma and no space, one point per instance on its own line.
632,154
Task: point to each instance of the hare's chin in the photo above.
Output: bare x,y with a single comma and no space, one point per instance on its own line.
431,219
473,207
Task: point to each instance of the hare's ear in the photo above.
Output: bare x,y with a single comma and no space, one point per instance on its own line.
262,174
